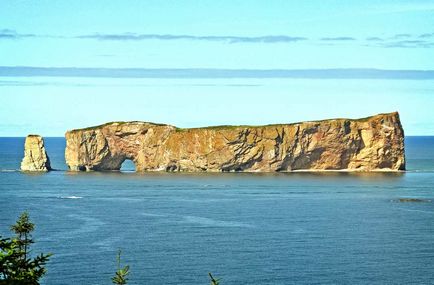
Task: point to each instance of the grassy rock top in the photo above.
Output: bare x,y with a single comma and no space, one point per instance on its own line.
226,127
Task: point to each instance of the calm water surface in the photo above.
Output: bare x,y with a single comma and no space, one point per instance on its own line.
302,228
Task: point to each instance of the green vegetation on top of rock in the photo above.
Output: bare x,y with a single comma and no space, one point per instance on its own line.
222,127
115,123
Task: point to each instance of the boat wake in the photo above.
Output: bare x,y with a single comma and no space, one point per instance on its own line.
9,170
414,210
70,197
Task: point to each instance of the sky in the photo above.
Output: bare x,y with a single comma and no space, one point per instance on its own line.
71,64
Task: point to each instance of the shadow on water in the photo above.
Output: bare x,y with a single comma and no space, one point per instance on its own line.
292,177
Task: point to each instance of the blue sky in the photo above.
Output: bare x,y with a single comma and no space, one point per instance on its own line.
249,36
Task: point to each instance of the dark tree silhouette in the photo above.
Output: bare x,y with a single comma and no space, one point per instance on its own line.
16,265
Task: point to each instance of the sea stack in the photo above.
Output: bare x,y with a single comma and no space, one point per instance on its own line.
369,144
35,156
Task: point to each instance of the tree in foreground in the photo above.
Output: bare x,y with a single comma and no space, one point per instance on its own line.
16,265
121,274
213,280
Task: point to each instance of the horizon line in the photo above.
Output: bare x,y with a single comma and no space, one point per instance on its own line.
203,73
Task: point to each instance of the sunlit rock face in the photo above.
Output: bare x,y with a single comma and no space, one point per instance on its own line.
35,156
370,144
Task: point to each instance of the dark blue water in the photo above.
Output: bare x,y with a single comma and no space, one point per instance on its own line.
332,228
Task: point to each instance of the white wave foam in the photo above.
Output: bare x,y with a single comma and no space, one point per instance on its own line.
414,210
8,170
153,215
70,197
214,223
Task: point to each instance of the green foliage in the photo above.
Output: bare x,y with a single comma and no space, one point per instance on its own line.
16,266
120,277
213,280
114,123
23,228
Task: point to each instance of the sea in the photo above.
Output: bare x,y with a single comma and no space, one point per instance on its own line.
244,228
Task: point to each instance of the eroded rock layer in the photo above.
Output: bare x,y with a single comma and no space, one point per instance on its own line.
368,144
35,156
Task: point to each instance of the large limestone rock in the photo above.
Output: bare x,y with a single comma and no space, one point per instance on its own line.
35,156
369,144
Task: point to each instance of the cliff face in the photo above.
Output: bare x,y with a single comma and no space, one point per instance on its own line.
369,144
35,156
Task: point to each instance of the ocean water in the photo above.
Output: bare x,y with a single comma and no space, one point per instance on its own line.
174,228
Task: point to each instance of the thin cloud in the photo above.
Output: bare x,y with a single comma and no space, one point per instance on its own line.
409,44
374,39
189,73
13,35
426,35
403,40
338,39
401,36
170,37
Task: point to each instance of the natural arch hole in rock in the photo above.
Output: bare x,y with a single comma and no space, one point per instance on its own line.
128,166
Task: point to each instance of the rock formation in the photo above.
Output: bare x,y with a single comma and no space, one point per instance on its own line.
35,156
369,144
